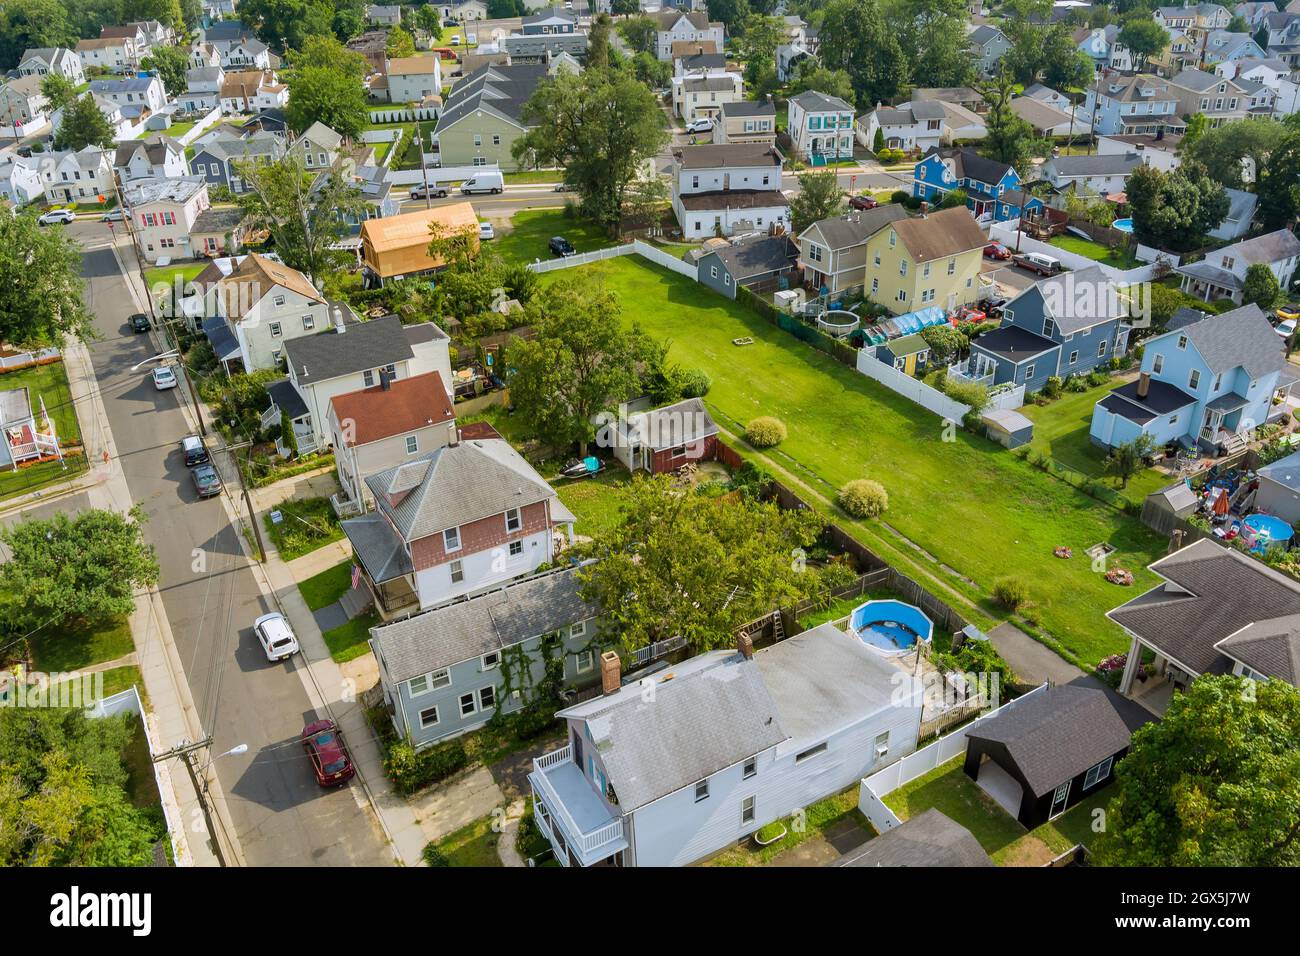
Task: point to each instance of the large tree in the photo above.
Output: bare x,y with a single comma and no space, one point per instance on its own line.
1236,153
819,197
856,38
330,95
171,63
1216,782
84,567
1260,286
685,565
933,35
1143,37
41,289
302,211
25,24
286,24
1175,210
58,90
1009,138
400,43
730,13
811,75
640,33
1279,187
84,125
601,126
581,361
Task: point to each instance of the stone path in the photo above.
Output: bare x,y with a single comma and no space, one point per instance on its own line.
509,831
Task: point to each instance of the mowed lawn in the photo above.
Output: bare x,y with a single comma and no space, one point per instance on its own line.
532,231
976,507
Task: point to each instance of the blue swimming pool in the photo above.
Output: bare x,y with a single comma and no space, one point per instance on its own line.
891,626
1123,225
1269,529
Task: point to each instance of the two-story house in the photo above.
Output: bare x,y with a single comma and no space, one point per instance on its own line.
1284,36
202,89
1218,98
549,21
45,60
732,741
348,356
745,121
821,127
1224,47
986,182
933,259
1196,20
1274,75
248,91
264,304
24,109
450,669
1067,325
219,161
163,211
988,45
158,157
412,78
462,519
920,125
1103,174
1222,273
318,147
117,55
483,115
137,92
702,97
82,175
676,26
1207,381
1131,105
20,180
833,252
384,15
720,190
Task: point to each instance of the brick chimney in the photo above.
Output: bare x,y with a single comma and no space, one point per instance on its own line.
1144,385
611,672
745,644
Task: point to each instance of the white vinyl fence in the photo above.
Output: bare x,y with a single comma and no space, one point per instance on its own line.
635,247
1005,233
27,358
929,398
201,126
875,788
1006,396
404,114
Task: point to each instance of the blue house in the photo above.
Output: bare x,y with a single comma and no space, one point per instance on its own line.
1066,325
1207,382
218,162
992,188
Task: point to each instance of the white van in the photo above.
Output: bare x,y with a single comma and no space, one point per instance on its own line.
489,182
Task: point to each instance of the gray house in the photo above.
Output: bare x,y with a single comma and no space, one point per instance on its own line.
988,45
448,670
217,161
759,261
1066,325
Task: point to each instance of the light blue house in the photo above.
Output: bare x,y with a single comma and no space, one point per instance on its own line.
667,770
1207,382
1067,325
992,188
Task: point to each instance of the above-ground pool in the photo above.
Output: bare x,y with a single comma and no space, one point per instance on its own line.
1123,225
1268,529
890,626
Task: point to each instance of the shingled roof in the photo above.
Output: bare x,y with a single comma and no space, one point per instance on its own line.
938,235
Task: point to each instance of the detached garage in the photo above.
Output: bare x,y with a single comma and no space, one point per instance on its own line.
665,439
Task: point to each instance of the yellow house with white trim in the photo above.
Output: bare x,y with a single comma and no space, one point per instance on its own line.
931,259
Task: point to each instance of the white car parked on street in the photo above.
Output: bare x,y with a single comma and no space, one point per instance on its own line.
700,126
55,216
275,636
164,377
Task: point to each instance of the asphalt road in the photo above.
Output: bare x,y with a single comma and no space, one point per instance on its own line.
281,817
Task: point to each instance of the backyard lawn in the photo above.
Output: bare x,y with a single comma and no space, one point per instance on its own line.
1119,257
74,646
471,845
167,276
533,229
975,507
841,808
593,500
1061,431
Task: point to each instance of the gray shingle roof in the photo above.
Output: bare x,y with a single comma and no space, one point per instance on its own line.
968,164
673,425
379,550
813,102
854,228
929,839
1270,247
748,108
464,630
984,33
757,256
1242,337
1080,300
1057,734
363,345
727,155
1103,164
286,397
1268,647
1284,471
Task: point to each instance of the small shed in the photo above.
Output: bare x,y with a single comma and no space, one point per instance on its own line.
1007,427
755,262
928,839
908,354
1279,488
664,439
1040,756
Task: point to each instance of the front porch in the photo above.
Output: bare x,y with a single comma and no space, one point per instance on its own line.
1153,684
1209,283
285,401
571,815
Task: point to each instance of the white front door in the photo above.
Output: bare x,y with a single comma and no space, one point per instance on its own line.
1058,800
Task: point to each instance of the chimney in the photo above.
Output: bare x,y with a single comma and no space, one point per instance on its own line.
745,644
611,671
337,315
1144,385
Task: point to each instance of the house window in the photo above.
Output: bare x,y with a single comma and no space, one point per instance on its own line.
478,139
902,267
747,810
1218,381
451,539
578,630
322,159
516,548
496,139
877,258
490,661
810,752
308,323
893,238
1157,364
457,572
487,698
368,378
1182,342
952,266
751,768
702,791
1074,357
902,295
514,521
1194,380
875,286
1101,350
1173,419
1097,773
882,744
926,272
429,717
713,271
275,330
1047,328
467,704
427,682
586,661
1029,373
412,444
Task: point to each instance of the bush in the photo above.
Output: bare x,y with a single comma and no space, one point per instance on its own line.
529,842
695,383
411,771
765,431
864,498
890,156
1053,386
838,573
433,856
1097,378
900,196
1076,384
1010,592
968,393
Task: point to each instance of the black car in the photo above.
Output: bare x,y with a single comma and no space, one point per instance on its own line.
140,322
562,247
196,453
206,481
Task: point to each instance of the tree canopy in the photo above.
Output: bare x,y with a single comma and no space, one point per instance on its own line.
1279,186
84,125
1009,138
171,64
819,197
325,85
1175,210
1233,150
856,38
42,294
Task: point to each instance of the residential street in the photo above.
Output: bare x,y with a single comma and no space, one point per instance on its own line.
211,597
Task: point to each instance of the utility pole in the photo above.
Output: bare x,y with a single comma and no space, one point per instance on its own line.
186,751
248,501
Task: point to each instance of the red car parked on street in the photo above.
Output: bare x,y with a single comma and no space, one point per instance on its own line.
329,754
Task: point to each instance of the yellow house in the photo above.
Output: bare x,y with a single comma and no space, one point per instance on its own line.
931,259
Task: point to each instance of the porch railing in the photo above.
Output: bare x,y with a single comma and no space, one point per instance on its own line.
547,760
270,416
344,506
588,842
643,655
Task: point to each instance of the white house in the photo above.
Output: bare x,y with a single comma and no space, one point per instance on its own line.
75,176
919,125
678,26
703,97
1273,73
1241,213
20,180
163,211
134,93
1159,152
728,189
264,304
730,741
117,55
1102,174
39,62
24,109
1222,273
412,78
158,157
202,89
821,127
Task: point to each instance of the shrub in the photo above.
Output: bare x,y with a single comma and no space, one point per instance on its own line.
1053,386
1097,378
890,156
1076,383
695,383
411,771
968,393
433,856
765,431
864,498
837,573
529,842
900,196
1010,592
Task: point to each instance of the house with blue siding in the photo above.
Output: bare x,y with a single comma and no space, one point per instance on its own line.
1067,325
218,160
992,188
1207,382
668,769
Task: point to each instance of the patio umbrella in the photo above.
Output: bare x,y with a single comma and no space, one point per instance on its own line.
1221,503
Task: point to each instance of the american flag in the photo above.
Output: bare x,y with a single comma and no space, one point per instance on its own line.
356,576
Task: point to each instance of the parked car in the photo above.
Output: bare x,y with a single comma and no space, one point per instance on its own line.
863,202
562,247
700,126
113,215
1285,329
1288,311
996,250
432,191
276,636
206,481
455,41
140,322
1037,262
485,231
196,453
328,753
164,377
55,217
489,182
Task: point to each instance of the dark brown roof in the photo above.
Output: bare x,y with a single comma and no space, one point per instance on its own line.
735,199
941,234
404,406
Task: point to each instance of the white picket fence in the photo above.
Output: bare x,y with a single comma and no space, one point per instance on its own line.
873,789
1005,233
635,247
404,114
929,398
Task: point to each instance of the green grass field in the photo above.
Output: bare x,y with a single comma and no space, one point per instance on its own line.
593,500
533,229
974,506
1119,258
322,590
348,641
48,382
472,845
72,647
166,276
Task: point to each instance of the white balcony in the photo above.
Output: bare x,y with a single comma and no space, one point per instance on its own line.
571,814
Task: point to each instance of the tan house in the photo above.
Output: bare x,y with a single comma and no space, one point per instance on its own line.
265,304
383,426
116,54
832,252
397,246
745,121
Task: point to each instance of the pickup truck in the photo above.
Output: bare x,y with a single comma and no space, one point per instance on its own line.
1037,262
